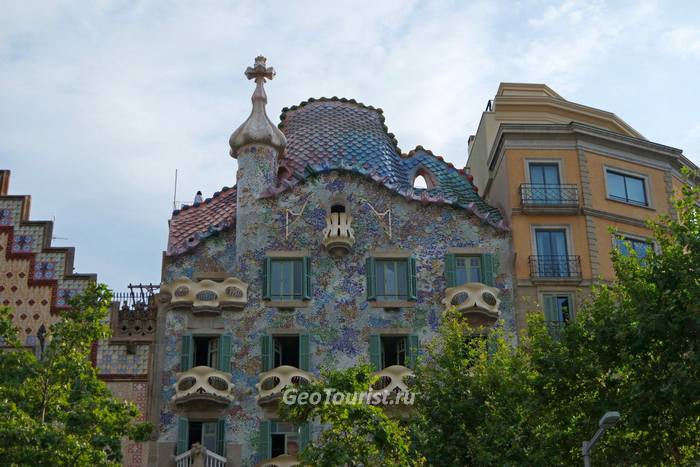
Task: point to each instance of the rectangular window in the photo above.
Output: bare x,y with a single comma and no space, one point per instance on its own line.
286,350
467,269
545,185
627,188
206,351
557,311
389,350
552,253
286,279
391,279
209,434
628,244
284,439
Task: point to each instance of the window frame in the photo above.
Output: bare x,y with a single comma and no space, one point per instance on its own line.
480,260
644,178
632,238
287,302
371,279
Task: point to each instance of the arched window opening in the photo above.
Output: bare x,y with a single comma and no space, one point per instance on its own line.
420,182
337,208
283,173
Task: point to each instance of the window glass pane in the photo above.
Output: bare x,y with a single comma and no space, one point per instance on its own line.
297,279
563,309
401,279
635,190
536,174
616,185
461,272
286,279
276,279
475,270
209,435
391,279
551,174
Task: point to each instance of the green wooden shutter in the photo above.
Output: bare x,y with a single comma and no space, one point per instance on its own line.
487,270
266,352
306,278
550,309
225,353
412,286
375,351
304,352
264,445
412,350
182,435
450,276
221,436
304,435
371,284
186,352
267,277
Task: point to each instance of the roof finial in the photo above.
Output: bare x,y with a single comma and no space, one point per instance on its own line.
258,128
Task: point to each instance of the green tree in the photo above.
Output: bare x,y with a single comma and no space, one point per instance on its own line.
633,347
354,434
54,410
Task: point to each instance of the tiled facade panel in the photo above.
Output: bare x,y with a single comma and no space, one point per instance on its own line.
338,319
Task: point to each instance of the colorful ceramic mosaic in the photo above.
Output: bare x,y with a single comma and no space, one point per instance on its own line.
114,359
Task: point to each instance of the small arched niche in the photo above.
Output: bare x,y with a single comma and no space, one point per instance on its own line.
423,179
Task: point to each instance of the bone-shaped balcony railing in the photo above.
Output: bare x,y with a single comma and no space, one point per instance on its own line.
203,382
274,381
206,296
338,236
392,379
473,297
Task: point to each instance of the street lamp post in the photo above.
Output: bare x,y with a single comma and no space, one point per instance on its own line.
608,420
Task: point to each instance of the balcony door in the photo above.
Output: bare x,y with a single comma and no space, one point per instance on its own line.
546,186
552,253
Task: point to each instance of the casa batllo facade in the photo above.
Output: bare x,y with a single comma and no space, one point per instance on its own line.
323,254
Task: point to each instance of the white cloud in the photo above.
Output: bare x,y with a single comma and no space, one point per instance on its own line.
683,42
101,101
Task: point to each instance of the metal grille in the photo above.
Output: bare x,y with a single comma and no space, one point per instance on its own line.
552,266
534,195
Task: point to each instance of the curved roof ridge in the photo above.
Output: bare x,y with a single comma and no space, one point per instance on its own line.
461,171
344,100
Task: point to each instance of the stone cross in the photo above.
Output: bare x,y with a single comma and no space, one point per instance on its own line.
259,70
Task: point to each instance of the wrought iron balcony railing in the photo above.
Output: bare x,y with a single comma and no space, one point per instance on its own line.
555,266
534,195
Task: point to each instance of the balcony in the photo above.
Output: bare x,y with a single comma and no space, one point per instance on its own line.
285,460
392,386
203,390
476,302
273,382
199,456
338,236
206,296
555,268
555,199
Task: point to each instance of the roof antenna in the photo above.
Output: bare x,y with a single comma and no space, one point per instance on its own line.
175,192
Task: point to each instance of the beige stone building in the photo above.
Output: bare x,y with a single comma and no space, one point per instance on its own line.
563,174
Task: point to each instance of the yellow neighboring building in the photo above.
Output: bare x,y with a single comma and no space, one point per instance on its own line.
563,174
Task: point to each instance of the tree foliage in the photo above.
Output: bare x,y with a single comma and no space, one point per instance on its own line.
633,347
355,434
53,409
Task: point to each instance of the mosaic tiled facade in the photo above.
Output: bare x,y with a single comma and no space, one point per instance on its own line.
338,152
36,279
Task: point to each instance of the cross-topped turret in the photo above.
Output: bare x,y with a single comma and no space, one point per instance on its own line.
258,128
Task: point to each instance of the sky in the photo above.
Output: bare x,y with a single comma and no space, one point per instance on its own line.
101,101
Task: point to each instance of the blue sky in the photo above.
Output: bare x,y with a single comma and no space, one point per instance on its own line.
100,102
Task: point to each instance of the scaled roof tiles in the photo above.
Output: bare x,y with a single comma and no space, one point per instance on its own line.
326,135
